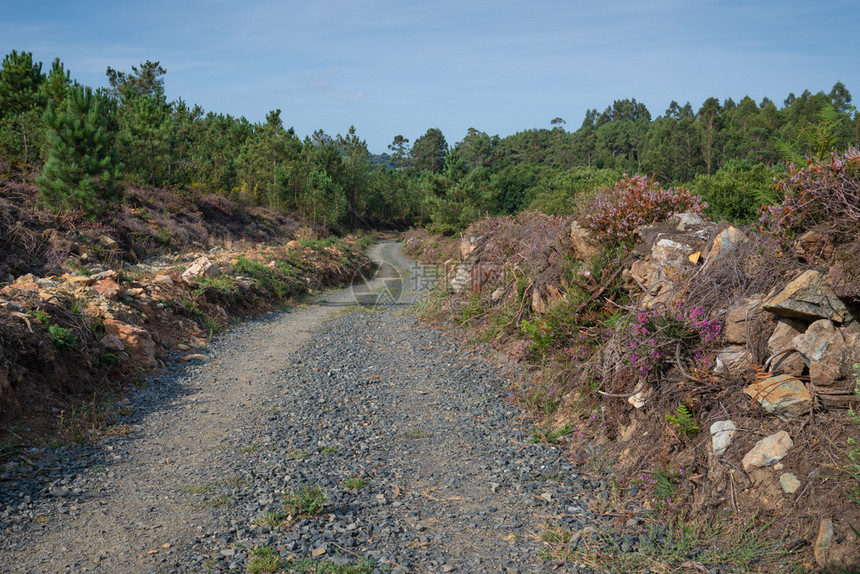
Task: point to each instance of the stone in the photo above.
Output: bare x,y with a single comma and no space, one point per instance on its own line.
137,342
732,360
739,316
80,280
686,219
112,343
724,242
808,297
107,288
813,247
162,280
109,274
497,294
584,244
202,267
107,242
823,542
790,363
789,483
782,395
670,253
317,552
768,451
644,273
468,245
722,434
830,353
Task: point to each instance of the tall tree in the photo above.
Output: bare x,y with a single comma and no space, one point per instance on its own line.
428,152
356,159
20,78
399,151
82,168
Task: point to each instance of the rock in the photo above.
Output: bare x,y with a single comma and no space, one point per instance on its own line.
136,341
109,274
739,316
813,247
497,294
644,273
808,297
584,244
790,363
669,252
468,245
722,434
823,543
732,360
112,343
830,354
789,483
80,280
317,552
293,244
107,242
462,280
768,451
107,288
162,280
202,267
782,395
724,242
684,220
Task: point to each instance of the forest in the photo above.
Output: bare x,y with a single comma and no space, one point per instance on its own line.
81,146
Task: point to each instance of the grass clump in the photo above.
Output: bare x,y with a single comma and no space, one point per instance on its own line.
307,501
264,559
354,483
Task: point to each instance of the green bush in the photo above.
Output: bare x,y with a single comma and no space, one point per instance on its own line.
737,192
62,337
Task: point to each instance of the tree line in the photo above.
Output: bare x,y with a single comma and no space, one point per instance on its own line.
86,144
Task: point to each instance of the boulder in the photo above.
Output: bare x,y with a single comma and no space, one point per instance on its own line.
782,395
107,288
584,244
768,451
724,242
722,434
670,253
808,297
790,363
739,316
814,247
732,360
137,342
202,267
644,273
468,245
112,343
830,353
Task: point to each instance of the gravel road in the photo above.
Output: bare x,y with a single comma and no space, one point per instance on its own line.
313,396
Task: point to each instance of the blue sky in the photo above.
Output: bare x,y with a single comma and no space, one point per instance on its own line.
401,67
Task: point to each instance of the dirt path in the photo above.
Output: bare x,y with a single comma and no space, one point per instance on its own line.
314,395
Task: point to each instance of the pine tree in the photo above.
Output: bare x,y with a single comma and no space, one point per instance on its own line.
82,169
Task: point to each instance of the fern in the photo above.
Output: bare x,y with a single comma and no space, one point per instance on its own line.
684,422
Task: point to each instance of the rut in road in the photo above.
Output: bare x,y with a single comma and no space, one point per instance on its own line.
315,396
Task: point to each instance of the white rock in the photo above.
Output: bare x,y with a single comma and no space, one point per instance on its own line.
722,433
789,483
768,451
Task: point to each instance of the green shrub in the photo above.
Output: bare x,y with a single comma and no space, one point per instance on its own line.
62,337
